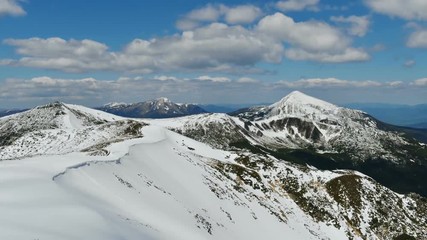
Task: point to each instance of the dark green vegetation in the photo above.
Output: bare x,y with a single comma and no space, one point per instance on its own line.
406,178
346,191
134,128
416,133
404,237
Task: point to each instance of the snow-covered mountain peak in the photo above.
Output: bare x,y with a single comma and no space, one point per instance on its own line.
163,100
62,115
62,128
302,98
301,105
115,104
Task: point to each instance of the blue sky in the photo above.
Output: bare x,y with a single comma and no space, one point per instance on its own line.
93,52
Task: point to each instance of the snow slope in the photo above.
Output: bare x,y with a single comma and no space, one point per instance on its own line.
163,186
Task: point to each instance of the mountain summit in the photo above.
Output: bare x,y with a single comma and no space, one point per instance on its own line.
157,108
59,128
299,104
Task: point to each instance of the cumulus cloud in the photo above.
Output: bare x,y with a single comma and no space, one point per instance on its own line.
213,79
240,14
215,47
311,35
347,55
312,40
422,82
359,25
165,78
11,7
406,9
208,13
297,5
247,80
418,39
59,54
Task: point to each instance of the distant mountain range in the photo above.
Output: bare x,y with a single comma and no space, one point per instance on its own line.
157,108
400,115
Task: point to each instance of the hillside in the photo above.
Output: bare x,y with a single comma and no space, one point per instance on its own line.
305,130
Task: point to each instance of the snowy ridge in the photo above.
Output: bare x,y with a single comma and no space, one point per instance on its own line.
157,108
115,105
59,128
216,129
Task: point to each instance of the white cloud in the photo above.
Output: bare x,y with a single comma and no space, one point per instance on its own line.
422,82
406,9
247,80
187,24
395,84
418,39
241,14
209,13
311,35
216,47
11,7
59,54
213,79
297,5
165,78
313,41
348,55
359,25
